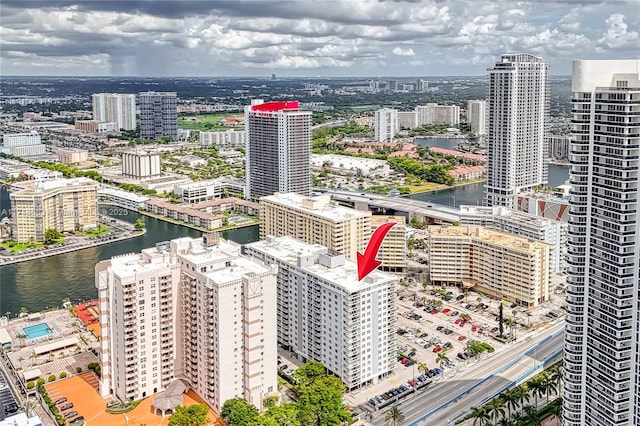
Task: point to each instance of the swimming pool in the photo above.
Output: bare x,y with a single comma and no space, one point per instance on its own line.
37,331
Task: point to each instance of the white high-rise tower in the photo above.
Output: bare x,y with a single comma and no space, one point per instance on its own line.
518,109
386,124
601,356
119,108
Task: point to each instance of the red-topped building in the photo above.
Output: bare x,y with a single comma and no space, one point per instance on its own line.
278,145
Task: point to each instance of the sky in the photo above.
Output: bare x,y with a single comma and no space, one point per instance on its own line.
298,38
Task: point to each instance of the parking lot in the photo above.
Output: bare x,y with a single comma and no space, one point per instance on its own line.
8,405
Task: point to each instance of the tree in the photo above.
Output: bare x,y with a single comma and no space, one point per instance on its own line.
320,403
284,415
536,386
510,397
466,296
193,415
442,359
270,401
50,235
479,415
528,314
394,417
422,367
138,225
29,406
501,320
309,372
495,408
33,357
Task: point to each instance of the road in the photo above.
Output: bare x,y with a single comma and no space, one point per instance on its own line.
496,368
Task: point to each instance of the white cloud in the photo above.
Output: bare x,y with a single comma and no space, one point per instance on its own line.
617,36
403,52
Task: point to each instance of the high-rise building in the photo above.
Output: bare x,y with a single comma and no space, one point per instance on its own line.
325,314
518,110
447,115
601,355
407,119
278,147
316,220
119,108
158,115
67,205
140,164
386,124
558,146
477,116
495,263
193,309
227,139
392,252
22,144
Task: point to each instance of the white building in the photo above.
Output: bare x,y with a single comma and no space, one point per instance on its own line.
558,146
118,108
140,164
22,144
325,314
204,190
477,116
190,309
120,198
521,224
278,145
601,355
518,111
227,139
386,124
21,419
434,114
343,164
407,119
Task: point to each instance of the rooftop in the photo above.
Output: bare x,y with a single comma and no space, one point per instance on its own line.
343,274
487,235
275,106
318,206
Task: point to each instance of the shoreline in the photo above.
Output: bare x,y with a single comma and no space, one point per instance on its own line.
194,227
444,188
45,253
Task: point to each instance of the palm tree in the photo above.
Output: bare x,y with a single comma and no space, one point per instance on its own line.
29,406
422,367
465,317
20,359
531,416
523,394
549,385
528,314
536,387
466,296
510,398
394,417
495,408
442,359
21,337
479,414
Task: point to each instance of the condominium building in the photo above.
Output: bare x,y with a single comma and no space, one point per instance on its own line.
477,116
140,164
193,309
118,108
325,314
392,252
227,139
601,355
204,190
518,110
63,204
158,115
72,155
495,263
22,144
448,115
95,126
558,146
316,220
407,120
278,145
385,125
139,313
228,332
514,222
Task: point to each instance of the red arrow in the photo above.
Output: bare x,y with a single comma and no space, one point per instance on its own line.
367,262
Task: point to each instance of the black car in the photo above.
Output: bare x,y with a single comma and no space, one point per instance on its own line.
66,406
60,400
423,335
447,345
412,354
77,420
439,328
70,414
463,356
10,409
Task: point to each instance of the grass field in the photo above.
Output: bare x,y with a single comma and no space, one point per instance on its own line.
360,108
15,248
204,122
427,186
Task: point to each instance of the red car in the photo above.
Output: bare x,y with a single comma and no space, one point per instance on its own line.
458,320
461,338
474,328
462,324
405,360
446,311
437,349
435,311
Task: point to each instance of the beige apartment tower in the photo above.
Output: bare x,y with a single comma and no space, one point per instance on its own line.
392,252
63,204
491,262
316,220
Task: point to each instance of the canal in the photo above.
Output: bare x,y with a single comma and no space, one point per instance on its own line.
43,283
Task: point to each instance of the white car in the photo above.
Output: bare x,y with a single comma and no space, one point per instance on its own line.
409,336
420,342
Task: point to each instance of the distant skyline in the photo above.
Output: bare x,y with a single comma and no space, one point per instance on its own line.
296,38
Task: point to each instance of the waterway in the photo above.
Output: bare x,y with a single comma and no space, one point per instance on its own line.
43,283
473,193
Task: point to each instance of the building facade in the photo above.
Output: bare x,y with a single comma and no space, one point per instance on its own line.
385,125
22,144
601,355
193,309
491,262
141,164
72,155
518,110
118,108
316,220
477,116
63,204
228,139
278,146
158,115
434,114
204,190
407,120
558,147
392,252
325,314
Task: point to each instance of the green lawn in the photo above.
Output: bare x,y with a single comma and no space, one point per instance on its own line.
204,122
360,108
98,232
15,248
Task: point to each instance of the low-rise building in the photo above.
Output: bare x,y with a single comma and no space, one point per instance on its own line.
204,190
95,126
120,198
186,214
223,140
326,314
343,164
72,155
495,263
22,144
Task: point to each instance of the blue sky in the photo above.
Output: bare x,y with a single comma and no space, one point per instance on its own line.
307,37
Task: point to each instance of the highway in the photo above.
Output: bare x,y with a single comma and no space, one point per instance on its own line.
486,378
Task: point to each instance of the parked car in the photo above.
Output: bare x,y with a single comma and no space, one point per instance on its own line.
67,406
461,338
60,400
435,311
447,345
463,356
77,420
423,335
10,409
412,353
70,414
437,349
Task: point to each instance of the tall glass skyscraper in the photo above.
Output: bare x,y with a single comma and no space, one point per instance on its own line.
602,357
278,149
518,110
